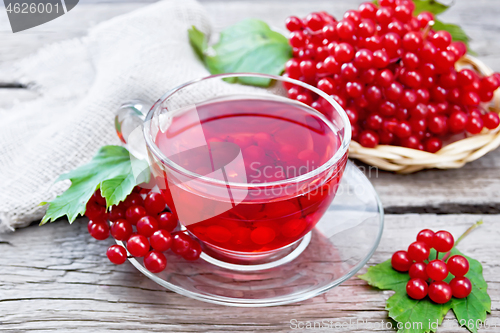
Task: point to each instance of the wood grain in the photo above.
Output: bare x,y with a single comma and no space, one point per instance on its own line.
58,277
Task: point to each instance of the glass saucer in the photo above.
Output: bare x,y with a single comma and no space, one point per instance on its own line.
340,245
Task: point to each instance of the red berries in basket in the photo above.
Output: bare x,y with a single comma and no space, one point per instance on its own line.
427,276
392,73
144,223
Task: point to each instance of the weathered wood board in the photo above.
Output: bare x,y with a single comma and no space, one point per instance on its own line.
58,277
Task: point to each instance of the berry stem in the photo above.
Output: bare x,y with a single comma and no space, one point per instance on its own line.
427,29
468,231
465,234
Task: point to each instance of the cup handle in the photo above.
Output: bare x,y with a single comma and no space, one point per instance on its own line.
129,121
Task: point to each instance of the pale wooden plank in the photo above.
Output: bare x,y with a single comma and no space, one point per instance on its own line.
57,277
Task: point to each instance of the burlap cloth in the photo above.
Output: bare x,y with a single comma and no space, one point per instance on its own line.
81,83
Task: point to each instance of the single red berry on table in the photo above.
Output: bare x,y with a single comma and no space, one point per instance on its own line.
154,203
491,120
366,28
155,262
417,288
304,98
367,10
440,292
441,39
433,145
138,245
374,122
419,112
437,270
403,12
388,3
161,240
94,211
134,213
116,254
345,29
418,251
293,23
394,91
329,33
443,241
369,139
354,89
400,261
457,122
380,58
308,68
466,77
147,225
424,18
193,252
167,221
363,59
353,15
384,15
417,270
411,60
438,125
490,83
458,48
348,71
98,229
471,98
408,99
344,52
461,287
387,108
458,265
116,214
133,199
428,52
97,197
121,230
426,236
384,78
403,129
373,94
297,39
180,243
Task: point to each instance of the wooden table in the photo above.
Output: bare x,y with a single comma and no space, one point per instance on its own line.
57,276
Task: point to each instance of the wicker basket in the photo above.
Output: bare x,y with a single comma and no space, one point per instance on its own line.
454,155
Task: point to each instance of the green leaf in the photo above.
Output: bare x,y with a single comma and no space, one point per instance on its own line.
247,46
415,316
111,166
384,277
198,41
423,316
432,6
457,33
115,190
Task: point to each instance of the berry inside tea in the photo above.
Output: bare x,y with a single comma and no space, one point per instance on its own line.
247,174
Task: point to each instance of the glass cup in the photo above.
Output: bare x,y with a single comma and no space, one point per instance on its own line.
237,220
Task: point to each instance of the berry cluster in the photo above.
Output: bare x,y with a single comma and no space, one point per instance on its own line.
392,73
145,224
415,261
